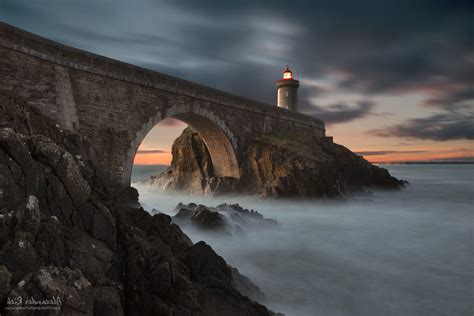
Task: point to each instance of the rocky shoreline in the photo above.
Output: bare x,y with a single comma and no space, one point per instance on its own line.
83,246
78,244
277,165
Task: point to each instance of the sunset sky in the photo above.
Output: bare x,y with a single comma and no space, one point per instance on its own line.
393,80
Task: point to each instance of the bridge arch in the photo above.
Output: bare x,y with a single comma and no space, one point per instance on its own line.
116,104
219,140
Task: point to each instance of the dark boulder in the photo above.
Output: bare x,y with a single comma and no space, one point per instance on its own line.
208,219
224,218
183,215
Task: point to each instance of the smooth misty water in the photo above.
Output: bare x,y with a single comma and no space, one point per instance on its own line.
409,252
142,173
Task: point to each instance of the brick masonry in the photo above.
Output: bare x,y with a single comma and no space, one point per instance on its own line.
116,104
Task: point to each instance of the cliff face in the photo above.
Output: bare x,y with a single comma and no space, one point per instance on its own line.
276,165
67,234
192,169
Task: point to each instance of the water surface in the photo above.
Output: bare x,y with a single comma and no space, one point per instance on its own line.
408,252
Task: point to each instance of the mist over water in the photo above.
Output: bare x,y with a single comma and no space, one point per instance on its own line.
143,172
408,252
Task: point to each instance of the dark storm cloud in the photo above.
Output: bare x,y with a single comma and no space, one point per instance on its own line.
445,126
378,47
339,113
459,97
382,45
387,152
152,151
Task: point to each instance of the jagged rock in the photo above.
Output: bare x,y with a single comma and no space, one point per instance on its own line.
276,165
195,173
71,292
67,231
210,269
5,278
228,218
208,219
207,266
161,278
107,302
200,216
29,216
244,216
246,286
183,215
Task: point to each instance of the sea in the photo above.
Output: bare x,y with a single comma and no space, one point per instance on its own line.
403,253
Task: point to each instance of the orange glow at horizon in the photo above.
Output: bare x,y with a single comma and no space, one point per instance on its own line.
153,159
426,156
165,158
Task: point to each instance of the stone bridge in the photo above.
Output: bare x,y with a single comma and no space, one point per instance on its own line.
116,104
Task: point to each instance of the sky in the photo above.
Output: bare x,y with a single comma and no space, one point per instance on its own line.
393,79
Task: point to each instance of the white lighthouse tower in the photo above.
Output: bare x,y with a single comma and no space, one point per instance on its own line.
287,89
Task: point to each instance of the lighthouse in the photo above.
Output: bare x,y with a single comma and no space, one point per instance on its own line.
287,90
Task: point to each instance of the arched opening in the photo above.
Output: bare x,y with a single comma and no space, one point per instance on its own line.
214,134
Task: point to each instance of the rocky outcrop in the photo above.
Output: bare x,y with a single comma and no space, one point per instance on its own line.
195,173
246,286
71,239
276,165
60,288
5,279
227,218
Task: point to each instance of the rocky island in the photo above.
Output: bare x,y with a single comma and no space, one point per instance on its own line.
275,165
